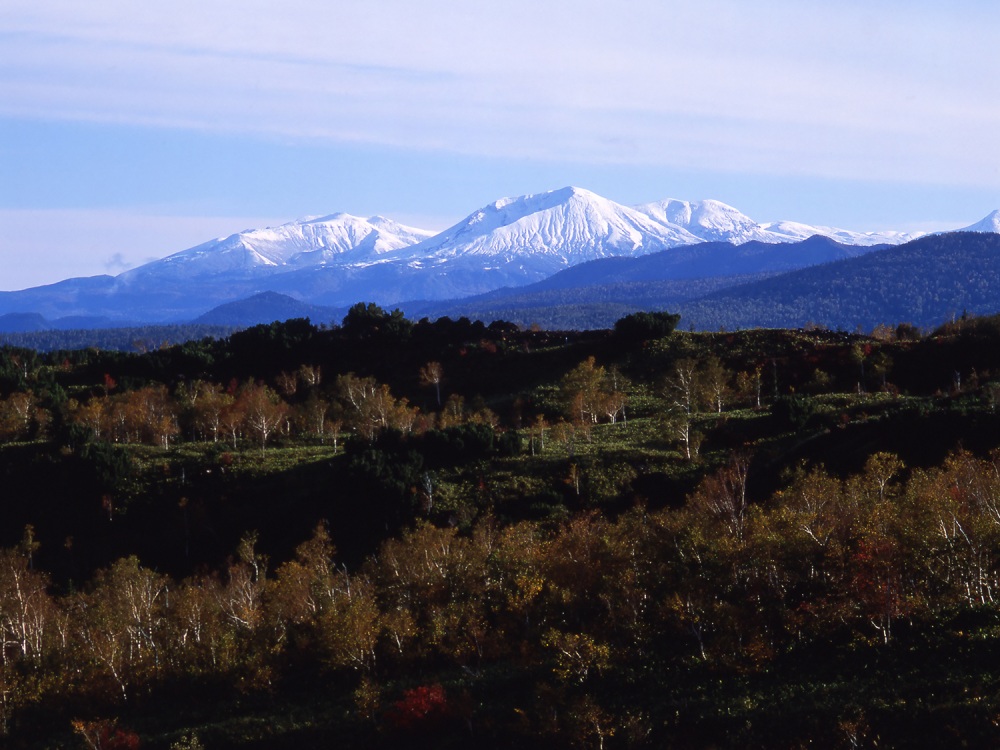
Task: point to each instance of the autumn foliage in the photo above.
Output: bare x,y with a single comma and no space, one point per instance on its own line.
650,551
420,708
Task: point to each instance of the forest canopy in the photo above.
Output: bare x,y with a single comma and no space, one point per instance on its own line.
437,533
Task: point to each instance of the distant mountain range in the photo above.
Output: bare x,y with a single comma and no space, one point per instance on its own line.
520,239
563,239
924,282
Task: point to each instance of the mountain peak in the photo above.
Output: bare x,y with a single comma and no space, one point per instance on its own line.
990,223
571,191
542,201
708,220
334,239
265,307
541,233
326,219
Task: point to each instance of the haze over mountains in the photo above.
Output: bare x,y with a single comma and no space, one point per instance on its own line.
337,260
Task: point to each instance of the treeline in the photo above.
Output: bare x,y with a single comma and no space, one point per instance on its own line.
126,339
301,403
594,306
371,341
620,626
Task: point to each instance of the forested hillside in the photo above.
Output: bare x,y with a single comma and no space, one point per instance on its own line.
593,306
129,339
395,533
923,282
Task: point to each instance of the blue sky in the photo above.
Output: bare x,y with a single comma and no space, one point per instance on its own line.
132,130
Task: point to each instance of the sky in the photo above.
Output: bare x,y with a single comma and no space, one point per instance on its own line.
129,131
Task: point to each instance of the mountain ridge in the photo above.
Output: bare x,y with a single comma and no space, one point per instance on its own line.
338,259
925,282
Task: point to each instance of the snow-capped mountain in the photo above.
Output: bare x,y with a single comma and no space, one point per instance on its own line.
329,240
340,259
713,221
791,231
540,234
709,221
989,224
511,241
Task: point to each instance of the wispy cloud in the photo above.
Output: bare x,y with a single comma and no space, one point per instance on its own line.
899,91
117,263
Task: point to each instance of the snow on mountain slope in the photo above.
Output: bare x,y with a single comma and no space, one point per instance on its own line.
514,240
336,239
708,220
546,232
714,221
792,231
341,259
990,223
